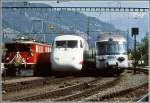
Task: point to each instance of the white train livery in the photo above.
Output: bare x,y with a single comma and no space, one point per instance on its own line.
68,53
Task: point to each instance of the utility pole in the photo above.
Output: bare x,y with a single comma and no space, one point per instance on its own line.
135,31
42,31
135,54
42,27
128,41
88,26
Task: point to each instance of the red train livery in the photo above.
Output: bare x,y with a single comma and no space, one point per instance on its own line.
24,54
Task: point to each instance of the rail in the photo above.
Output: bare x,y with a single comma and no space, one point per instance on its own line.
89,91
119,93
140,69
33,82
143,98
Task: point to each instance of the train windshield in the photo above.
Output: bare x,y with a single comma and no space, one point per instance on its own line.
13,47
111,48
67,44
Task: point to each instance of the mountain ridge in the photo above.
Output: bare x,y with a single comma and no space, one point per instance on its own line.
64,22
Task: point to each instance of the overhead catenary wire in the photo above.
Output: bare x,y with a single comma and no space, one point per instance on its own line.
76,9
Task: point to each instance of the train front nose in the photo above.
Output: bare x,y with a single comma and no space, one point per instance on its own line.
65,63
111,63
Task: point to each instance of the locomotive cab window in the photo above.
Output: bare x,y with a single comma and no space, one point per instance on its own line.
10,47
18,47
60,44
81,45
110,48
25,47
72,44
66,44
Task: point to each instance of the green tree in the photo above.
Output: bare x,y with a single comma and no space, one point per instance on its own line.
141,53
145,49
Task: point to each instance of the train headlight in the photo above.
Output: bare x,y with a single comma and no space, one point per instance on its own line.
101,59
28,58
120,59
7,58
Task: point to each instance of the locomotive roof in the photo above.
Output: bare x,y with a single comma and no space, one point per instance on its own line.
69,37
26,42
111,36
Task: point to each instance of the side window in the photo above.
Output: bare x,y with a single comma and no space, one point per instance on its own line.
36,48
49,49
46,49
81,45
42,49
39,48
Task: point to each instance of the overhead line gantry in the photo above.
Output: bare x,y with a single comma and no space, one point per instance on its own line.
79,9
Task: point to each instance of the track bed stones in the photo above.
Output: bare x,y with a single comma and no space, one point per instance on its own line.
128,84
84,90
131,96
81,88
56,83
31,82
23,83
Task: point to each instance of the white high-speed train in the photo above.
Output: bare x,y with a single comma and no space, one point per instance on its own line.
68,53
111,53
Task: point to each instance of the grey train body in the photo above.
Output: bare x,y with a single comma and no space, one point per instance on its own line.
111,53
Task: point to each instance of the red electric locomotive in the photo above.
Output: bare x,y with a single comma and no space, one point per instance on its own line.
25,54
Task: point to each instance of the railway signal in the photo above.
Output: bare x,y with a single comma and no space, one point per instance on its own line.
135,32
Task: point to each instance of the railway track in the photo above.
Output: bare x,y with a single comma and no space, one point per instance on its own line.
124,91
54,84
77,91
85,87
143,98
118,93
30,82
17,84
47,92
89,91
139,69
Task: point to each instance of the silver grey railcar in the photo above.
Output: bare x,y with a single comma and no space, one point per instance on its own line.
111,52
